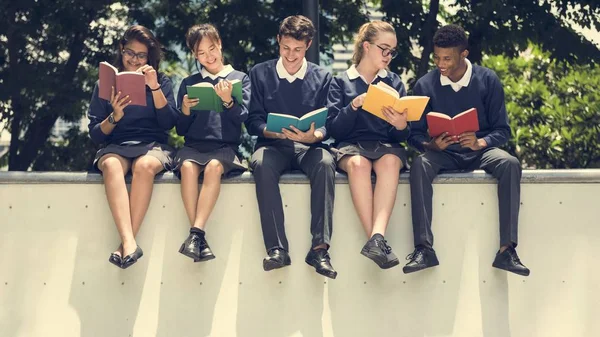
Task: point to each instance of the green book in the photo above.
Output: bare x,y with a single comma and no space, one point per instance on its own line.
208,98
276,121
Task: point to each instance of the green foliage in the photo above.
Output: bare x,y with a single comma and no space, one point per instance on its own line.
554,110
494,27
75,152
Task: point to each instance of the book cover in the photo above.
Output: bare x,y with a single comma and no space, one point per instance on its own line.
277,121
208,98
381,95
127,82
465,121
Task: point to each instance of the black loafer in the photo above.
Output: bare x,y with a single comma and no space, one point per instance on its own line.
115,259
319,258
132,258
276,258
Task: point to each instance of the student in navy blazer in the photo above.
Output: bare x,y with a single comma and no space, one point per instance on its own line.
291,85
455,86
133,138
211,138
365,143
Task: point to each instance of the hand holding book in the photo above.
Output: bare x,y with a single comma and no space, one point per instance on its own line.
118,103
223,89
187,104
150,76
309,137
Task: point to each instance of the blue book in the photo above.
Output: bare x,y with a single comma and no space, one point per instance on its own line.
276,121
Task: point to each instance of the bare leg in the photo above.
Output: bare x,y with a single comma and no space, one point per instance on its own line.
144,170
361,189
114,168
190,172
387,169
211,187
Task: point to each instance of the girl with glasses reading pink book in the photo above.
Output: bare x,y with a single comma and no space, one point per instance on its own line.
133,138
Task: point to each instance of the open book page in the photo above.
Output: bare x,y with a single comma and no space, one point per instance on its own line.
278,121
388,89
415,105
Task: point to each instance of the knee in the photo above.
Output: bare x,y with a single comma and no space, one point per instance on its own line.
326,164
144,167
511,164
189,169
111,165
359,165
389,162
213,169
419,169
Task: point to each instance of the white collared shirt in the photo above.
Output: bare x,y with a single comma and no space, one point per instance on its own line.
282,73
463,82
222,74
354,74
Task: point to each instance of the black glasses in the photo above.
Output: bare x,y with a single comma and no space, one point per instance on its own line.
387,51
131,54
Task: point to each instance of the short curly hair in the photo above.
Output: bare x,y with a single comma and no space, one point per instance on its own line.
298,27
451,36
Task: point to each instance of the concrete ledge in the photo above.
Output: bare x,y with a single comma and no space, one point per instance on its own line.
473,177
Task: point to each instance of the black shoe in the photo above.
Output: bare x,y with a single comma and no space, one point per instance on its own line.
319,258
132,258
378,250
116,259
421,258
509,260
196,247
276,258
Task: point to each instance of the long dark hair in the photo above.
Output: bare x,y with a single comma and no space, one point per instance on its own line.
144,36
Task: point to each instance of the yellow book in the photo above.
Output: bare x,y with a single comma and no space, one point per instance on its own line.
381,94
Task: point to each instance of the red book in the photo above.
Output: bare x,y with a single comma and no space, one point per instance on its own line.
465,121
127,82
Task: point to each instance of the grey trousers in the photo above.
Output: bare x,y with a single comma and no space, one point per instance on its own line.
268,163
497,162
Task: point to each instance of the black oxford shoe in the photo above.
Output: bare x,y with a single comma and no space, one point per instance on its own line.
378,250
319,258
509,260
276,258
196,247
420,259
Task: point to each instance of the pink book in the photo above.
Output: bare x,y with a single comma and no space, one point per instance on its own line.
127,82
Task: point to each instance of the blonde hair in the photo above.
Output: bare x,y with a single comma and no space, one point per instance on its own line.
368,32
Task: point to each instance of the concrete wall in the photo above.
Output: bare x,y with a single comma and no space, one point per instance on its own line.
56,234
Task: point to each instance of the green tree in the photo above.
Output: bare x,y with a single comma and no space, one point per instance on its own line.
495,27
554,109
49,51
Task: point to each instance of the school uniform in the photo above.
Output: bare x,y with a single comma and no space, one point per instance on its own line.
479,88
275,90
360,132
143,130
210,134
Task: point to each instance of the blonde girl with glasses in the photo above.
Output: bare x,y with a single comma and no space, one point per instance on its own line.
365,143
133,139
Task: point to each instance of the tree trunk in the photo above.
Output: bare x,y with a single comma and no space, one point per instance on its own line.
427,38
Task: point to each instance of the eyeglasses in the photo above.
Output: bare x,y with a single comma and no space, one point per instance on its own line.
385,52
131,54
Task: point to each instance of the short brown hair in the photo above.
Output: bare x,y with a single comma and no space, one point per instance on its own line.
195,34
368,32
298,27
